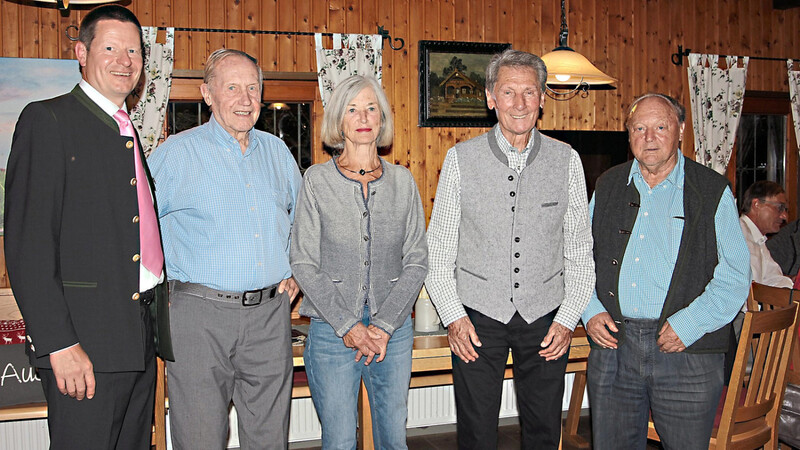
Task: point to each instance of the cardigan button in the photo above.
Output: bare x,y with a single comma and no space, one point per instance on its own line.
516,285
511,178
516,269
516,255
512,193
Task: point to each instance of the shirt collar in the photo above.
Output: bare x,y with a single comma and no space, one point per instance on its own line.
105,104
675,177
506,146
225,138
754,231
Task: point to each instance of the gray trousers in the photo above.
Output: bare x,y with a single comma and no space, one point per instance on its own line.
228,352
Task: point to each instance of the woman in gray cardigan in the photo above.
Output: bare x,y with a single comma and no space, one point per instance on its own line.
360,257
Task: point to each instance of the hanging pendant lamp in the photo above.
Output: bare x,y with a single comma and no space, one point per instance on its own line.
569,71
64,4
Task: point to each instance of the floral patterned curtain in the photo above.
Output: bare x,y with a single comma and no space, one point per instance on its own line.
153,94
716,99
794,96
352,54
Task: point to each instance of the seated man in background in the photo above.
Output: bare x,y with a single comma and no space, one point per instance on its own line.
785,248
763,212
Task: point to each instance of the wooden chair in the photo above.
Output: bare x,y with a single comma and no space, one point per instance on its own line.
753,401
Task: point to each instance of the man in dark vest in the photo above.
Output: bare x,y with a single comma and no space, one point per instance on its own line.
83,247
510,259
673,270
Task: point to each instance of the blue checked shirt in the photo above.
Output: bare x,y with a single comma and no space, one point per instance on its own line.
653,250
226,217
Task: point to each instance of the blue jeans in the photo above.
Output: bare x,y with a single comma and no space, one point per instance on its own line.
334,378
681,390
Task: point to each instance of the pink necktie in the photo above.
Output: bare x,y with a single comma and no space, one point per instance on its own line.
149,239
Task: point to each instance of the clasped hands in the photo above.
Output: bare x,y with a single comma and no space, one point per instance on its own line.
369,341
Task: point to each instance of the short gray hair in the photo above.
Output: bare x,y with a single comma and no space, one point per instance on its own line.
515,58
345,91
677,108
215,58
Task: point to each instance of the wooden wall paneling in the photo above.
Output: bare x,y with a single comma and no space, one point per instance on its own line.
29,28
9,33
400,87
304,45
144,11
475,22
286,44
65,46
199,45
269,43
251,15
490,21
614,61
550,19
583,41
215,18
233,21
183,40
48,21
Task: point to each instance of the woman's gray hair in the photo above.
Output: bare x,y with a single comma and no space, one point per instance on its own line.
215,58
345,91
677,108
515,58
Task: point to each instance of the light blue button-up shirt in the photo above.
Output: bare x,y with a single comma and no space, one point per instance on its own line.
226,217
652,251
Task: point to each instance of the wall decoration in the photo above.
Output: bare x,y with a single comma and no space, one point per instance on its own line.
451,83
25,80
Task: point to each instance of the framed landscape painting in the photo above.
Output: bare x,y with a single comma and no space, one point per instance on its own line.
451,83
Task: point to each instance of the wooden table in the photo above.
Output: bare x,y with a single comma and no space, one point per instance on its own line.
431,365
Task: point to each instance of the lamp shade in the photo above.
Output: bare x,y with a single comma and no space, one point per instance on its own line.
567,67
66,3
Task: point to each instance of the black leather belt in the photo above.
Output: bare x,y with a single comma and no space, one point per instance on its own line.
247,298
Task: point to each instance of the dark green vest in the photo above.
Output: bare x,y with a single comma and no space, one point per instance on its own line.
615,209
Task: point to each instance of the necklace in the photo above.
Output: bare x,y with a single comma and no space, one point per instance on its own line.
361,172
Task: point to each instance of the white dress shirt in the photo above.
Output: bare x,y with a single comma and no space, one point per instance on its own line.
765,270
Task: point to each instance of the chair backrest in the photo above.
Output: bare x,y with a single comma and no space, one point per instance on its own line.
763,297
752,405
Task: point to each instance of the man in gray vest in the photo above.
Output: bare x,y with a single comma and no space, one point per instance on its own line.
510,259
673,270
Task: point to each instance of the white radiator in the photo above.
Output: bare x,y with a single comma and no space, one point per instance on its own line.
426,407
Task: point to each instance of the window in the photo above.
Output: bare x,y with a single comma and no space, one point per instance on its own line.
761,155
289,121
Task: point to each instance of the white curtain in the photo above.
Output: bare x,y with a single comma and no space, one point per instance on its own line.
352,54
794,96
716,99
153,94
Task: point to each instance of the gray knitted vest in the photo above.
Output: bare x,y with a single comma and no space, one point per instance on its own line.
511,239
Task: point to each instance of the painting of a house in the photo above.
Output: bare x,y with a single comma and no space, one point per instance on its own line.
452,83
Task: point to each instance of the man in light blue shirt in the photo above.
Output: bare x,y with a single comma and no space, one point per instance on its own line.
227,196
672,272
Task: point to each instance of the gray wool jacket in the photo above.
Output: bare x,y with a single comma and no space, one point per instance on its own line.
348,251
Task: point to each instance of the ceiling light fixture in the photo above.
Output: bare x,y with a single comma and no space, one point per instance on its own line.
64,4
569,72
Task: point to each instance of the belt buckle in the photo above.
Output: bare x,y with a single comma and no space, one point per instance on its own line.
251,298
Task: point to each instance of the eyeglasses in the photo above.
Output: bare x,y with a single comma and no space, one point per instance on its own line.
782,208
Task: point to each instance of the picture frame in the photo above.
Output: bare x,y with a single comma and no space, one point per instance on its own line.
451,83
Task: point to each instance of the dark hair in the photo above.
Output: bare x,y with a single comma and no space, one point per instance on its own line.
106,12
677,108
759,190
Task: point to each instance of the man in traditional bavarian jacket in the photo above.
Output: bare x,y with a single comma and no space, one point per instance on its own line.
673,270
510,262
